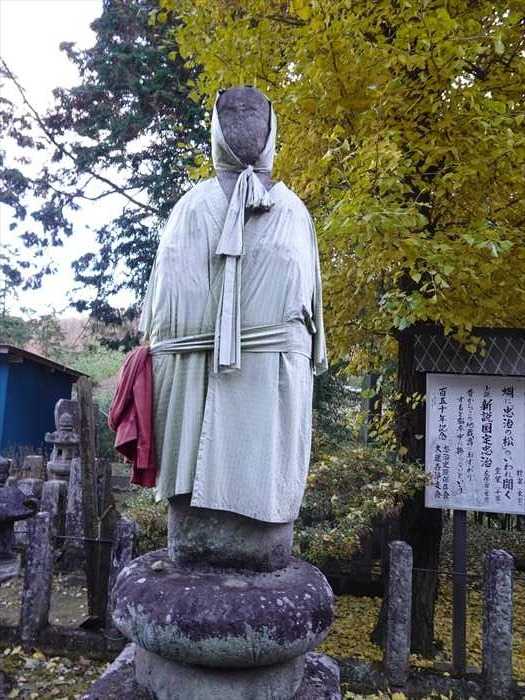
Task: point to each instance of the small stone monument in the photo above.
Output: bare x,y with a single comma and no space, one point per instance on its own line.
65,441
68,406
13,507
74,554
34,467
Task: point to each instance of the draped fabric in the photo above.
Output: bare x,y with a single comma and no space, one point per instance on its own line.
233,419
130,417
249,195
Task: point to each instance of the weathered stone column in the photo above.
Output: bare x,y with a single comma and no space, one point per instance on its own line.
38,578
497,624
226,613
399,614
53,501
122,553
74,556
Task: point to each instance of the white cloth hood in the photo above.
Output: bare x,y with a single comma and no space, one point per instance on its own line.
249,194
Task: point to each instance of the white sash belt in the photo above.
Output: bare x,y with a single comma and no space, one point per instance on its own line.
292,336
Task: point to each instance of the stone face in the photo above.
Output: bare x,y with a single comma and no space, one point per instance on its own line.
170,680
222,618
226,539
244,114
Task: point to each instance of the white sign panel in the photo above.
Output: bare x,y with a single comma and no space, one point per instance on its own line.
475,443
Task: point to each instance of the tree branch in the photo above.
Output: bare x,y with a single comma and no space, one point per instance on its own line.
116,188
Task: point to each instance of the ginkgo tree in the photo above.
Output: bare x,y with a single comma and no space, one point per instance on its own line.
402,126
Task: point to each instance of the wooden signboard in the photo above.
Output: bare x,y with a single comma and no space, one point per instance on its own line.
474,438
475,443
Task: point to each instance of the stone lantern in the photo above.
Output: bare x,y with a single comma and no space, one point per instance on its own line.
14,505
65,443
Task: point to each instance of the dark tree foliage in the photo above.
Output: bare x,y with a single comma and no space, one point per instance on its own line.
128,130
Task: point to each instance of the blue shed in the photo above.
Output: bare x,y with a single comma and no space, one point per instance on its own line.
30,386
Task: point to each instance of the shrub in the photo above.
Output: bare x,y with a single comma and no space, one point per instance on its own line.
152,518
347,493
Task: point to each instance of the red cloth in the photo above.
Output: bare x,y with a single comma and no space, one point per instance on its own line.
131,416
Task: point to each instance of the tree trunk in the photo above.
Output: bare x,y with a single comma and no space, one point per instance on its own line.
419,526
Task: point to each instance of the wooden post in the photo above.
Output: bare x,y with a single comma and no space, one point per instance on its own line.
89,493
459,613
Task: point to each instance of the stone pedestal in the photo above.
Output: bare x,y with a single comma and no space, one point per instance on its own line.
226,612
226,539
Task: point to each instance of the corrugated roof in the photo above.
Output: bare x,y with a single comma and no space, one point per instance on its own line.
12,350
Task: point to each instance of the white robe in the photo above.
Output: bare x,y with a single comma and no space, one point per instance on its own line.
240,440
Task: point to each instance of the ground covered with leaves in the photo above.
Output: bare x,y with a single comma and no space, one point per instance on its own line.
356,617
35,675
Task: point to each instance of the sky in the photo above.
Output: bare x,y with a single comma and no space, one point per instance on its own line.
30,34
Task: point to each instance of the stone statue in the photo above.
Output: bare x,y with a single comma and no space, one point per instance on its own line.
234,354
226,611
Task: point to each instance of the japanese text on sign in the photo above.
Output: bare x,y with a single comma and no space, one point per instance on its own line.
475,443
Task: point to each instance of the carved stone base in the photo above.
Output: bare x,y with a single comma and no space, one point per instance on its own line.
169,680
320,682
222,618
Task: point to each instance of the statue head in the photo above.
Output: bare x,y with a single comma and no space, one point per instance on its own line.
244,115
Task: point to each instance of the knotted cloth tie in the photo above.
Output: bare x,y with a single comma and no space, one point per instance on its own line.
249,194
